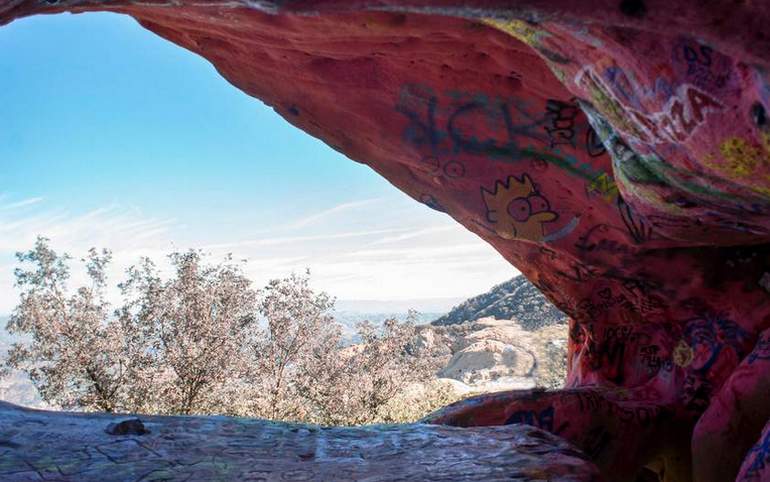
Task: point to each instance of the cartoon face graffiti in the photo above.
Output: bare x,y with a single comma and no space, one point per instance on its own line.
517,209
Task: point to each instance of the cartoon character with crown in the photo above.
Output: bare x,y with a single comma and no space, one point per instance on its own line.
517,209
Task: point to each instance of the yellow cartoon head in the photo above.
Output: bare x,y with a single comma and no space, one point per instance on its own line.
517,209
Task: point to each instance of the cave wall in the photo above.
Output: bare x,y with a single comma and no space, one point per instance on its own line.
616,152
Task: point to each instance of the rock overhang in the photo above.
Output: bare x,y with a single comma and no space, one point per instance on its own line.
617,153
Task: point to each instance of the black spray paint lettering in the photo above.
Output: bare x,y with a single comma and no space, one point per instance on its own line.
542,419
561,116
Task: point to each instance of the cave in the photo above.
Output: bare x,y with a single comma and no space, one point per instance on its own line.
616,152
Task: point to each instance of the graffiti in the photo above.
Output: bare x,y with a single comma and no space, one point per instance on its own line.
675,123
683,355
597,239
420,130
454,169
495,127
609,351
652,359
605,101
578,272
542,419
594,145
710,348
463,122
681,116
707,218
519,29
761,454
696,393
517,209
604,186
628,164
475,124
589,401
637,227
530,35
646,295
728,223
710,335
761,350
702,65
634,167
610,356
700,57
561,115
564,231
622,85
664,222
742,158
641,286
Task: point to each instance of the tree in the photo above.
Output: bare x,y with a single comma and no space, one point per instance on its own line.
377,371
193,330
69,354
299,333
203,341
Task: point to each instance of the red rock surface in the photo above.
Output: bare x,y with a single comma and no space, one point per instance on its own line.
657,250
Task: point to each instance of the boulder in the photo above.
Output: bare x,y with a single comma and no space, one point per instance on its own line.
61,446
489,360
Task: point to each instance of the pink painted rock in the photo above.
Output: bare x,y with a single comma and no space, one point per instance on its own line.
756,467
617,152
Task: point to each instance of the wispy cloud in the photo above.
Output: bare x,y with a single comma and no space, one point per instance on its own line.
315,218
125,231
416,234
374,249
254,243
21,204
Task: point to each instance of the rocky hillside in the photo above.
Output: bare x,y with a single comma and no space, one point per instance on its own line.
515,299
489,355
16,387
475,356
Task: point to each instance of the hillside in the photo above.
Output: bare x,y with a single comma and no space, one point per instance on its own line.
510,337
349,320
516,299
489,355
16,386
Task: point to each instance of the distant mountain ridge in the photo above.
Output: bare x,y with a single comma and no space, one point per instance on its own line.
515,299
423,305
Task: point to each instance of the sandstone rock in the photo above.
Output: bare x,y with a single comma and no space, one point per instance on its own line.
38,445
616,152
489,355
489,360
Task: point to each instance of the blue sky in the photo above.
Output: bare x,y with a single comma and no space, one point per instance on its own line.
113,137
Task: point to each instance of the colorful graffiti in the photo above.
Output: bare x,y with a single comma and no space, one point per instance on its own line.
676,122
517,209
621,163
